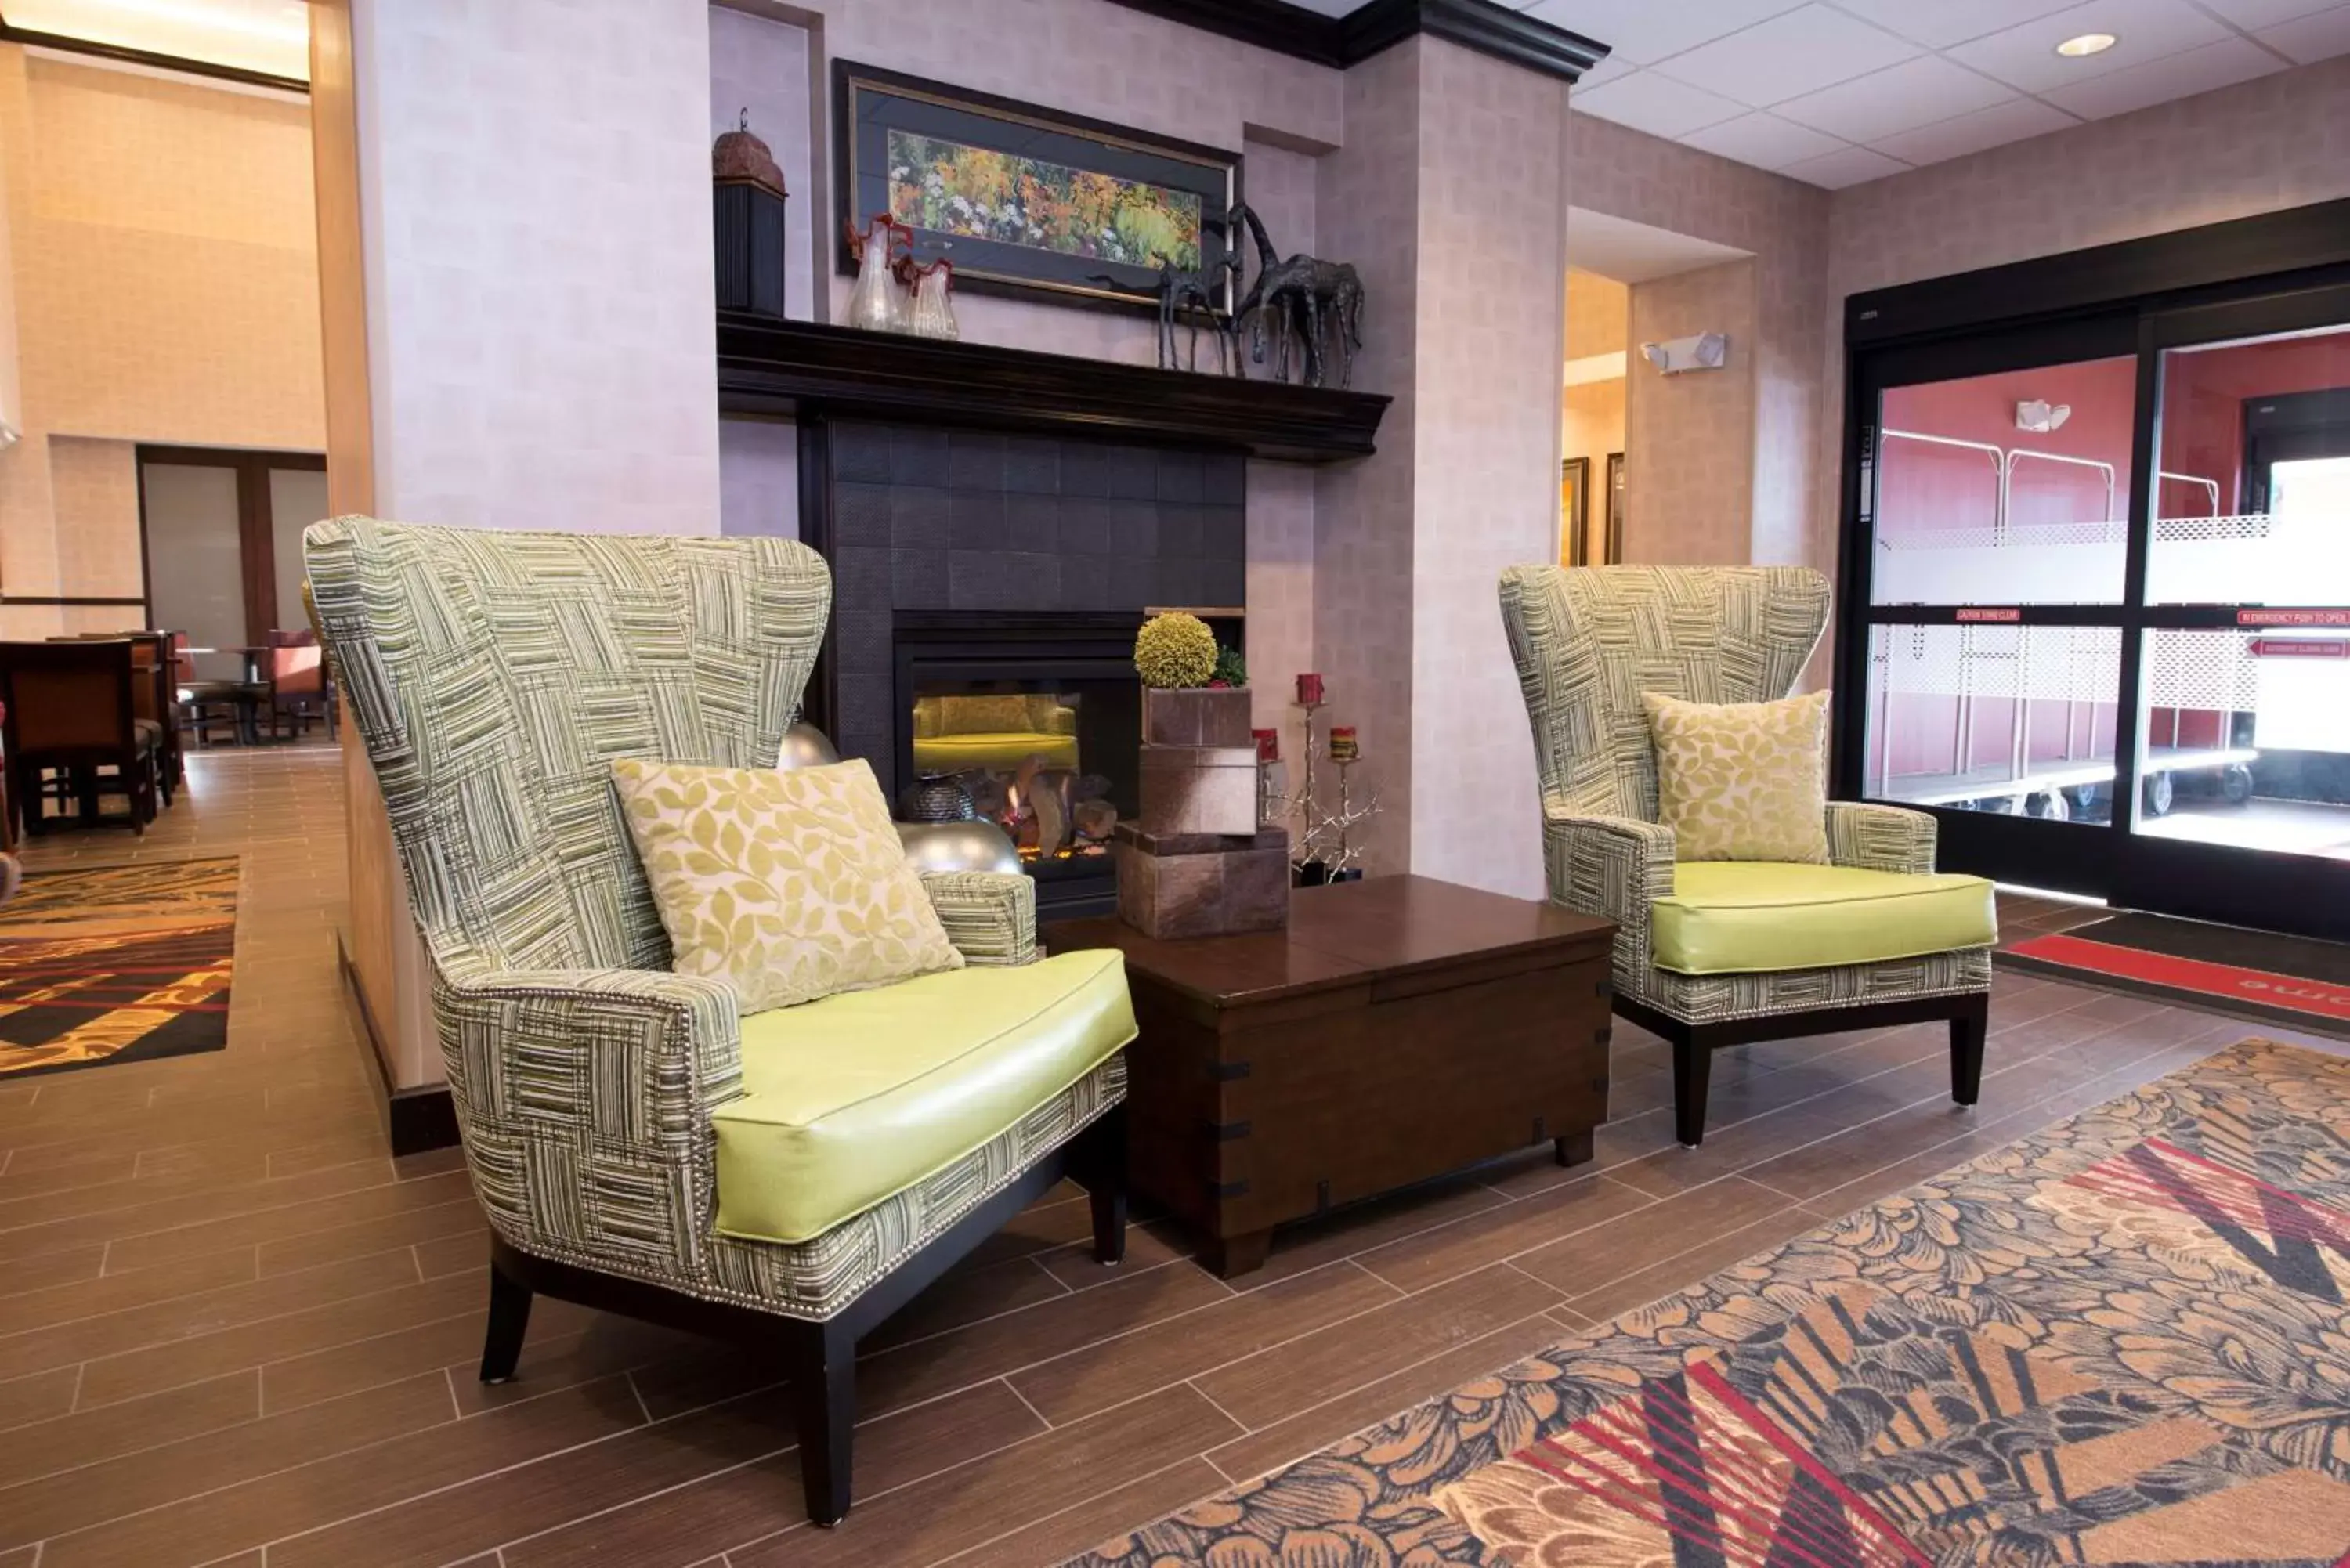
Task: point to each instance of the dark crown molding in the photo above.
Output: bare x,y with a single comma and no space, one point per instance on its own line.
1344,41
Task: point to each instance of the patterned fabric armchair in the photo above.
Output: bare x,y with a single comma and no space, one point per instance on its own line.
1726,953
636,1143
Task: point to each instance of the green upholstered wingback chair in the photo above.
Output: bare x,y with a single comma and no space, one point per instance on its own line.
1709,954
636,1142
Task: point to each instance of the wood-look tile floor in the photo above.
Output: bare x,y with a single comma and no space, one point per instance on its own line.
234,1329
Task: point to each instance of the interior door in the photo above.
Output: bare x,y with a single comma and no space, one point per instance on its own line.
1988,548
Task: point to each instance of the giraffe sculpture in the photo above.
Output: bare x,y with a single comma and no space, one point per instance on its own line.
1319,303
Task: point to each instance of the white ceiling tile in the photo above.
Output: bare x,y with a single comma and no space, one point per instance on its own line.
1789,56
2318,37
1939,24
1898,98
2001,123
2253,15
1845,166
1762,140
2026,57
1658,105
2219,65
1646,31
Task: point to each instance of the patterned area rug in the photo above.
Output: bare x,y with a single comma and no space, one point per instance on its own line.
116,963
2120,1342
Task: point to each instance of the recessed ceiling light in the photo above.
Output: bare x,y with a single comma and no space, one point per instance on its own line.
2087,44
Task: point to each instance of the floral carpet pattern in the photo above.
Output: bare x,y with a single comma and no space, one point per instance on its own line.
116,963
2122,1341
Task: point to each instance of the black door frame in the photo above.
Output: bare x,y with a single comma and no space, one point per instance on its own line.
2253,277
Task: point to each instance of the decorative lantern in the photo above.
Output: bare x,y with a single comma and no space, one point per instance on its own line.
748,193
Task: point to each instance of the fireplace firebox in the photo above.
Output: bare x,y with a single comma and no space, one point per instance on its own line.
1036,718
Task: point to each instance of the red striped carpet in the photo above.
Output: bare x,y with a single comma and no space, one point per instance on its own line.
116,963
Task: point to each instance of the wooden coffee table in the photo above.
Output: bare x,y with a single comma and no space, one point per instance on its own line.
1399,1029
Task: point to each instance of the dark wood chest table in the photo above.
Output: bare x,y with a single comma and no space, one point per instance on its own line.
1399,1029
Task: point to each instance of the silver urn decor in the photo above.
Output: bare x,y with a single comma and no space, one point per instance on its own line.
974,845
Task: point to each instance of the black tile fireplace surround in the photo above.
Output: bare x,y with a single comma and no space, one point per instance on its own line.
1003,534
1046,549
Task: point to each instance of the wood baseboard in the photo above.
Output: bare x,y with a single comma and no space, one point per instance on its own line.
414,1120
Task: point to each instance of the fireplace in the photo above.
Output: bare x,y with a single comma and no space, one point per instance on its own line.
1036,719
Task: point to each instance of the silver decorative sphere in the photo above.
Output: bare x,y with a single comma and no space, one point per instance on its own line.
975,846
805,746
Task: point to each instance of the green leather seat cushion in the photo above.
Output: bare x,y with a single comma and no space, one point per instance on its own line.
1735,917
848,1099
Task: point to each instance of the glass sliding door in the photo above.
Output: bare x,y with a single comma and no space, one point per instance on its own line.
2241,805
2103,569
1994,529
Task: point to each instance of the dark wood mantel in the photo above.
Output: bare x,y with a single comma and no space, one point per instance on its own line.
791,368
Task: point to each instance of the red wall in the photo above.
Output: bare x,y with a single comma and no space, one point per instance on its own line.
2203,395
1920,486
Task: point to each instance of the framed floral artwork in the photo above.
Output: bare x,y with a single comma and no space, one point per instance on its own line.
1025,198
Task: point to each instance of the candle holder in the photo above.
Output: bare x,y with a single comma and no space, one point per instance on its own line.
1326,844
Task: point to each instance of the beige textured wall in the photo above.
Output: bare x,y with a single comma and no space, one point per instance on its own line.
1689,440
1486,378
1368,195
161,260
535,200
1785,224
1598,313
94,486
167,276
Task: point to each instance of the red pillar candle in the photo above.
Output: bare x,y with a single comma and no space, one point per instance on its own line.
1309,688
1343,748
1268,745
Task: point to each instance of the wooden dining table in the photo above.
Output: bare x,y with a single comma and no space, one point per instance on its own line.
256,660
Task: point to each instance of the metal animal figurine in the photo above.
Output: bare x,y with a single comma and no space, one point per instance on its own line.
1342,299
1319,302
1186,294
1284,291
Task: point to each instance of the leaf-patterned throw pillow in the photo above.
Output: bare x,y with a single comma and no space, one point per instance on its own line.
1742,781
787,886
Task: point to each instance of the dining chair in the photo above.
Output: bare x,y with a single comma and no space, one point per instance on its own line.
300,687
72,710
154,696
206,701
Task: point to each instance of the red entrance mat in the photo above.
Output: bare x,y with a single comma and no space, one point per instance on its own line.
2252,988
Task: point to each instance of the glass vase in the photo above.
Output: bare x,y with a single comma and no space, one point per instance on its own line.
933,310
878,304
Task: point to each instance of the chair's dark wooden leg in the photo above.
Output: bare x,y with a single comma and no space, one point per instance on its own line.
509,1316
1692,1076
1104,1175
823,1362
1967,1032
1575,1149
